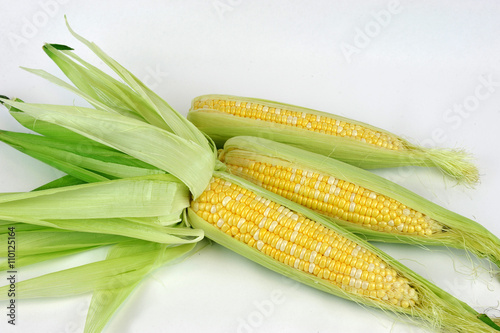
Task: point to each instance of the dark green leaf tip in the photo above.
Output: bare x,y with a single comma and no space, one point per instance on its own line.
59,47
488,321
3,96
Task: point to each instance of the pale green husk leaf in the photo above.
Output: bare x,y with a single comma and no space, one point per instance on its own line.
55,240
134,197
105,302
116,272
51,130
133,207
185,159
77,159
31,259
66,180
132,96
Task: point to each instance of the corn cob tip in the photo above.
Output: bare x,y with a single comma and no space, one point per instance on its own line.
456,163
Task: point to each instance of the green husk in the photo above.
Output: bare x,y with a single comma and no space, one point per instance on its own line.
75,159
5,225
61,138
116,272
60,182
439,310
132,95
105,302
31,259
135,138
460,232
55,240
111,280
37,244
50,130
221,127
134,197
133,207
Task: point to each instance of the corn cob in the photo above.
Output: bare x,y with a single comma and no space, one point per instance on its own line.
354,142
290,240
301,243
356,270
359,200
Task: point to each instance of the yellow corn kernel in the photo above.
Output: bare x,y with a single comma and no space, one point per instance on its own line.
321,251
341,200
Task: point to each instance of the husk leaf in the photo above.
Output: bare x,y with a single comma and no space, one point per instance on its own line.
185,159
31,259
105,302
75,159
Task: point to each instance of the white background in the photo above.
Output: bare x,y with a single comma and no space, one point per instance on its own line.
402,66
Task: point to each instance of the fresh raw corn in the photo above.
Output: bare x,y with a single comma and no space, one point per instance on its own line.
301,243
354,142
332,196
361,201
302,119
337,198
291,240
154,176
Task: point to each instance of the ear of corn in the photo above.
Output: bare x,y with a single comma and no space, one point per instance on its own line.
291,240
358,200
116,123
356,143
